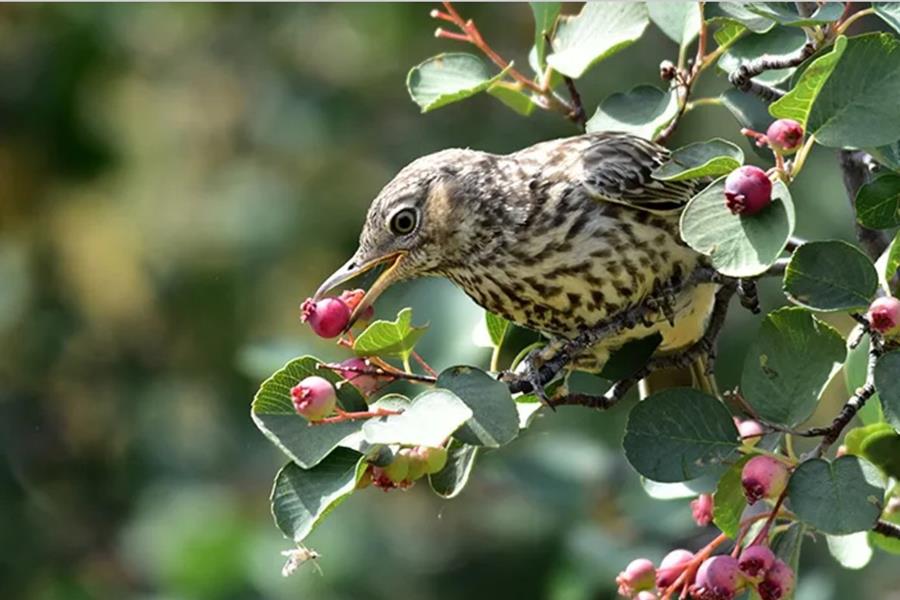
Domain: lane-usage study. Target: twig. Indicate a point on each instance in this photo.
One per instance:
(742, 77)
(578, 114)
(343, 416)
(887, 529)
(379, 372)
(855, 172)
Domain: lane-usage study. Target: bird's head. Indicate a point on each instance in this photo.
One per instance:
(416, 225)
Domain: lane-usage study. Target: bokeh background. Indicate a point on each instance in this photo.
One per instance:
(174, 179)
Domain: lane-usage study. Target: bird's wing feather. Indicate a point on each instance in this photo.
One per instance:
(618, 166)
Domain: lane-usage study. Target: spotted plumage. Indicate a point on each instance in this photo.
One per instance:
(557, 237)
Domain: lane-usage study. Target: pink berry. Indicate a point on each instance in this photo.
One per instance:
(639, 575)
(755, 561)
(364, 382)
(778, 583)
(702, 509)
(750, 431)
(672, 566)
(764, 477)
(785, 135)
(327, 317)
(352, 298)
(314, 398)
(748, 190)
(884, 314)
(717, 579)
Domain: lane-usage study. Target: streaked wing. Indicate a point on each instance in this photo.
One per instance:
(617, 168)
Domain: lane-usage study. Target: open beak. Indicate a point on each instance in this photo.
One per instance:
(351, 270)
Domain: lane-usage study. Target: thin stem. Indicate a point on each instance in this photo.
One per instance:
(764, 532)
(378, 372)
(418, 358)
(842, 27)
(798, 163)
(343, 416)
(712, 101)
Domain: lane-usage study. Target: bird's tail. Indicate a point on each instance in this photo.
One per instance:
(696, 374)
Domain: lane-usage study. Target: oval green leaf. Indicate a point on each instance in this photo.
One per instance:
(798, 102)
(778, 386)
(644, 111)
(878, 202)
(302, 497)
(786, 13)
(680, 21)
(600, 30)
(830, 276)
(738, 245)
(679, 434)
(431, 418)
(887, 382)
(839, 497)
(856, 105)
(390, 338)
(495, 421)
(729, 501)
(701, 159)
(448, 78)
(273, 412)
(777, 43)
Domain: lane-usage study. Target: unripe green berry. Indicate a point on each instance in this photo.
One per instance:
(398, 470)
(435, 459)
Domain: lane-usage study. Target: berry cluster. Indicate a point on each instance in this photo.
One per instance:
(748, 189)
(406, 465)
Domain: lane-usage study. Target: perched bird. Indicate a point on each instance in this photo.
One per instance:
(558, 237)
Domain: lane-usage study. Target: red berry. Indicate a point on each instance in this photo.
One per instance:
(755, 561)
(750, 431)
(672, 566)
(639, 575)
(748, 190)
(779, 582)
(364, 382)
(785, 135)
(764, 477)
(884, 314)
(327, 317)
(314, 398)
(702, 509)
(717, 579)
(352, 298)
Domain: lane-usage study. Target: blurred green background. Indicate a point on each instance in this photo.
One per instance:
(174, 179)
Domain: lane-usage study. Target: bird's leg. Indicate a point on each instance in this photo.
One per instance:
(531, 375)
(749, 295)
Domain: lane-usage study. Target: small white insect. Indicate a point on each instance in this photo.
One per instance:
(296, 557)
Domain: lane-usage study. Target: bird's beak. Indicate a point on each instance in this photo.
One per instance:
(353, 269)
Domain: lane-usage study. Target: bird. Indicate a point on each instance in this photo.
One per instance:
(558, 237)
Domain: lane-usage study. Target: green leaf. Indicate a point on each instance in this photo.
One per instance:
(450, 481)
(643, 111)
(837, 497)
(786, 13)
(545, 14)
(738, 12)
(878, 202)
(887, 155)
(390, 338)
(855, 370)
(729, 32)
(495, 421)
(852, 551)
(889, 263)
(738, 245)
(751, 112)
(854, 107)
(680, 21)
(448, 78)
(431, 418)
(513, 97)
(778, 43)
(830, 276)
(600, 30)
(497, 327)
(729, 501)
(302, 497)
(882, 449)
(855, 438)
(887, 382)
(679, 434)
(701, 159)
(798, 103)
(778, 386)
(273, 412)
(889, 12)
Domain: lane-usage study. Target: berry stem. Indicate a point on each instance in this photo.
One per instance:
(379, 372)
(343, 416)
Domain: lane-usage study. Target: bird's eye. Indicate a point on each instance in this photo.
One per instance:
(403, 221)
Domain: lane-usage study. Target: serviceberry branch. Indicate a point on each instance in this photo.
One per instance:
(887, 529)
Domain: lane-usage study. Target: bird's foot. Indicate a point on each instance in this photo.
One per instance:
(749, 295)
(533, 373)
